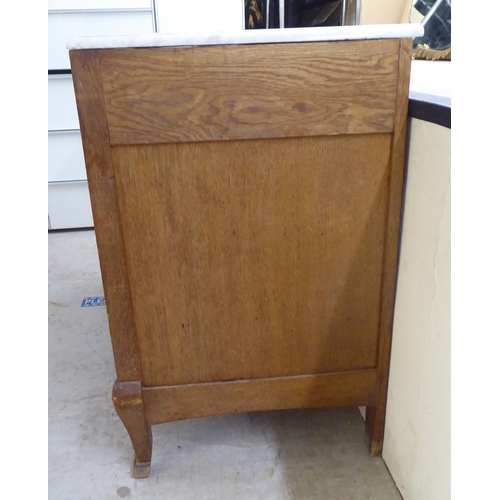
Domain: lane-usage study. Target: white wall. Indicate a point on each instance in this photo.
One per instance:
(195, 16)
(417, 434)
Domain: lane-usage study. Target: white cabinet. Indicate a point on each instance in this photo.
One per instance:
(73, 5)
(69, 200)
(62, 112)
(66, 161)
(69, 205)
(64, 26)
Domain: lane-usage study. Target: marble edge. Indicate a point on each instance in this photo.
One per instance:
(246, 37)
(430, 98)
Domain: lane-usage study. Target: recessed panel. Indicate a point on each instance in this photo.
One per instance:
(251, 259)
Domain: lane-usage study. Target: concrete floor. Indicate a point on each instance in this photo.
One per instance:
(298, 454)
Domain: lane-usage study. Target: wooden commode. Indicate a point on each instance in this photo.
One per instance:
(246, 196)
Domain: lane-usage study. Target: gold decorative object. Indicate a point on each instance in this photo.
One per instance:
(424, 52)
(413, 15)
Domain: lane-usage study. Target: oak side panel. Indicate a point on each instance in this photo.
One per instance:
(101, 181)
(165, 404)
(376, 414)
(251, 259)
(165, 95)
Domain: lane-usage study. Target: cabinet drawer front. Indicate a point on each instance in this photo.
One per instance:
(66, 160)
(69, 205)
(62, 104)
(67, 25)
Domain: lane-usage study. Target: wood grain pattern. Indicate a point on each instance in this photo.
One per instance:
(165, 404)
(247, 92)
(252, 259)
(101, 181)
(375, 415)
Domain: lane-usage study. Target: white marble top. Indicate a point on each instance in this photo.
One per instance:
(430, 81)
(245, 37)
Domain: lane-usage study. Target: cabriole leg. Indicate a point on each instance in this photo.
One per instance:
(129, 405)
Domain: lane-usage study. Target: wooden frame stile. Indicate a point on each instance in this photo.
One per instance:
(356, 133)
(375, 415)
(127, 389)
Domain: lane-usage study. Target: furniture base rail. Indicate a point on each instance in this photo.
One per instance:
(140, 407)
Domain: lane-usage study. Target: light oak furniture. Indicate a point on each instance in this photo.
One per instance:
(246, 192)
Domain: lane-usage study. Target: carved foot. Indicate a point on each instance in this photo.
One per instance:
(129, 405)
